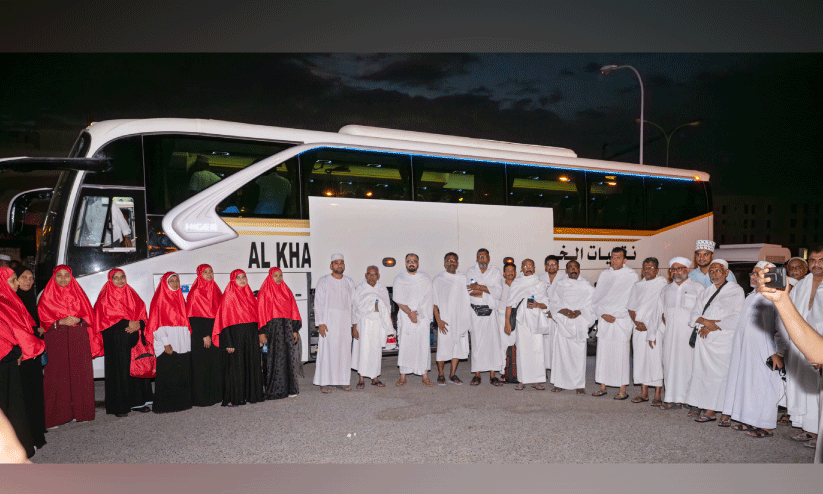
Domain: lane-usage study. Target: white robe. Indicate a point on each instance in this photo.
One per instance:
(753, 390)
(678, 357)
(506, 340)
(549, 338)
(452, 300)
(570, 335)
(414, 291)
(485, 330)
(531, 366)
(803, 381)
(333, 307)
(612, 365)
(712, 354)
(372, 327)
(644, 301)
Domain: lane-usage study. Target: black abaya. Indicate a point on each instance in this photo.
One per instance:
(123, 392)
(242, 369)
(206, 365)
(11, 399)
(282, 361)
(172, 385)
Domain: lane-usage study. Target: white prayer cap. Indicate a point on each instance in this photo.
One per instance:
(721, 262)
(797, 259)
(680, 260)
(337, 257)
(761, 264)
(4, 257)
(705, 244)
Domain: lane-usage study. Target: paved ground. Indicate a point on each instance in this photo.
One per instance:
(417, 424)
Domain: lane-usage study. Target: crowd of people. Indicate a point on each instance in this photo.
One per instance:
(692, 336)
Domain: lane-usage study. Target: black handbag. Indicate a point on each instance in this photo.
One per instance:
(482, 310)
(693, 337)
(513, 315)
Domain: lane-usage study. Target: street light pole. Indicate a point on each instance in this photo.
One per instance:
(668, 135)
(608, 69)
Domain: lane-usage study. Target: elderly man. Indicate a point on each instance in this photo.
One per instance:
(796, 269)
(333, 314)
(571, 310)
(485, 291)
(753, 389)
(614, 326)
(715, 317)
(678, 299)
(803, 378)
(413, 294)
(527, 295)
(372, 324)
(507, 341)
(703, 255)
(551, 264)
(646, 310)
(451, 311)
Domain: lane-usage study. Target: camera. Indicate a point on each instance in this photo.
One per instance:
(776, 278)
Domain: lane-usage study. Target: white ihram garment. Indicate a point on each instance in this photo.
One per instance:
(549, 338)
(333, 307)
(485, 330)
(506, 340)
(612, 366)
(678, 357)
(644, 301)
(569, 343)
(531, 366)
(372, 327)
(451, 297)
(414, 291)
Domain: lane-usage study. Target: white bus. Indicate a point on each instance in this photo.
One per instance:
(181, 192)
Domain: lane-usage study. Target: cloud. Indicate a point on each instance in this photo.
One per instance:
(422, 69)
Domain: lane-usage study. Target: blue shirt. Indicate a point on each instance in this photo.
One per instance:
(704, 279)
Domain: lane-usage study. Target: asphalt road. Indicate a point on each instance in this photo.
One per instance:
(417, 424)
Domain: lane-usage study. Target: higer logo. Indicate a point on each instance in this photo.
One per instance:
(200, 227)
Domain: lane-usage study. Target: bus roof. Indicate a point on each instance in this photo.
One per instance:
(390, 140)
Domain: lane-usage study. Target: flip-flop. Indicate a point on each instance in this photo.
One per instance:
(803, 436)
(656, 403)
(670, 406)
(811, 444)
(621, 396)
(743, 428)
(600, 392)
(759, 433)
(400, 382)
(539, 387)
(556, 389)
(344, 388)
(325, 391)
(705, 418)
(639, 399)
(495, 382)
(520, 387)
(581, 391)
(724, 422)
(360, 385)
(378, 384)
(428, 382)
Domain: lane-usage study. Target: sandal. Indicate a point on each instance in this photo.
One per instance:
(639, 399)
(495, 382)
(811, 444)
(600, 392)
(360, 385)
(323, 390)
(428, 382)
(667, 405)
(803, 436)
(621, 396)
(520, 387)
(705, 418)
(345, 388)
(441, 380)
(581, 391)
(743, 428)
(400, 382)
(694, 412)
(539, 387)
(557, 390)
(455, 380)
(784, 420)
(378, 384)
(476, 381)
(656, 403)
(759, 433)
(724, 422)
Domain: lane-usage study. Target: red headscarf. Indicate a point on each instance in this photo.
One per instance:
(237, 307)
(204, 296)
(114, 304)
(168, 308)
(15, 322)
(58, 302)
(275, 301)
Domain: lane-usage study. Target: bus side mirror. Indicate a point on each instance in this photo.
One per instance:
(19, 205)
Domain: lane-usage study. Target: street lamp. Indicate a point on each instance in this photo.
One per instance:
(608, 69)
(668, 135)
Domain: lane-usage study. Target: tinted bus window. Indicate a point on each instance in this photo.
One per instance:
(356, 174)
(456, 180)
(615, 201)
(274, 194)
(543, 187)
(180, 166)
(126, 156)
(672, 201)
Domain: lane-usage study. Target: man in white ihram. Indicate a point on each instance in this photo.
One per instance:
(528, 294)
(678, 300)
(571, 310)
(716, 320)
(451, 312)
(372, 324)
(333, 314)
(486, 287)
(508, 349)
(803, 378)
(413, 294)
(645, 309)
(753, 389)
(614, 326)
(552, 275)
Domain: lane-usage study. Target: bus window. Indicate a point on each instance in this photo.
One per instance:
(671, 201)
(356, 174)
(455, 180)
(180, 166)
(126, 157)
(615, 201)
(562, 190)
(275, 194)
(105, 222)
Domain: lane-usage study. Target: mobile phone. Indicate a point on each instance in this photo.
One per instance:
(776, 278)
(770, 365)
(530, 300)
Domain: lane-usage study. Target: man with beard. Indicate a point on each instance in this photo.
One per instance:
(451, 311)
(507, 341)
(645, 310)
(333, 299)
(571, 310)
(550, 277)
(703, 255)
(372, 324)
(753, 390)
(678, 298)
(614, 326)
(716, 321)
(484, 292)
(528, 294)
(413, 294)
(803, 378)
